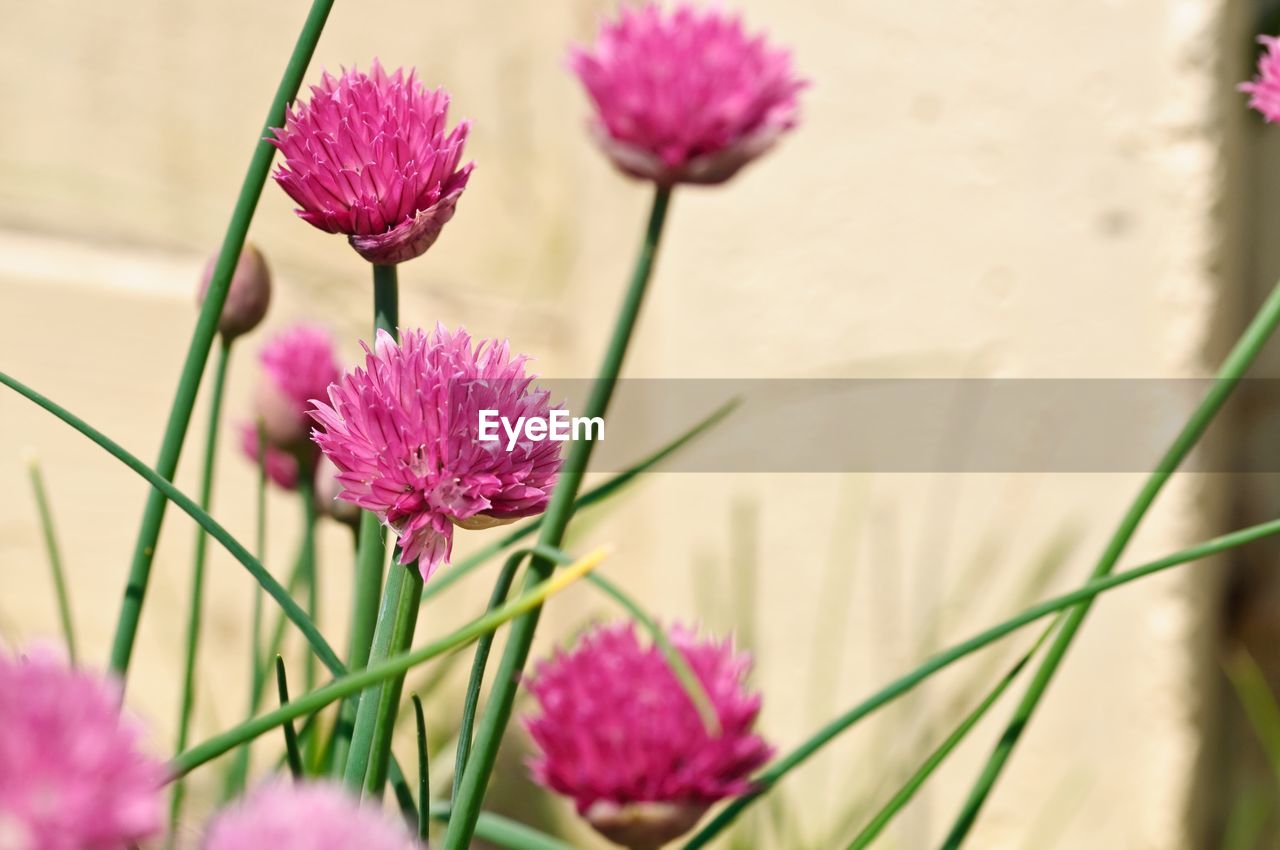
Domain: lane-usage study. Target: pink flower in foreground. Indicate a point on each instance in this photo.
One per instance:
(1264, 88)
(72, 776)
(619, 735)
(298, 365)
(404, 433)
(685, 96)
(368, 156)
(314, 816)
(282, 466)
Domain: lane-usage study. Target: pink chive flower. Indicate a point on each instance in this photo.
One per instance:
(619, 735)
(312, 816)
(298, 365)
(281, 466)
(368, 156)
(685, 96)
(1264, 88)
(404, 434)
(72, 775)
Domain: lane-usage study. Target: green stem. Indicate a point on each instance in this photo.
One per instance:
(599, 493)
(400, 616)
(196, 611)
(376, 673)
(365, 762)
(306, 491)
(292, 754)
(497, 711)
(503, 832)
(501, 588)
(424, 770)
(264, 578)
(202, 339)
(238, 774)
(368, 589)
(1232, 370)
(235, 779)
(386, 300)
(370, 553)
(55, 559)
(904, 795)
(260, 550)
(781, 767)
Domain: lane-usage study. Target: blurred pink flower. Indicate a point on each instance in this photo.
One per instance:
(403, 431)
(311, 816)
(282, 466)
(249, 294)
(1264, 88)
(368, 156)
(329, 493)
(72, 776)
(620, 736)
(685, 96)
(298, 364)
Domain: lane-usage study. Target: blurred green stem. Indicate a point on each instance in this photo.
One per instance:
(376, 673)
(904, 795)
(55, 559)
(202, 340)
(775, 772)
(195, 613)
(238, 774)
(497, 712)
(1246, 350)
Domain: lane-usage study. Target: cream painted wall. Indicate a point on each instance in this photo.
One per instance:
(978, 189)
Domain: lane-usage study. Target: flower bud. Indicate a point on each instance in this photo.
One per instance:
(328, 488)
(248, 297)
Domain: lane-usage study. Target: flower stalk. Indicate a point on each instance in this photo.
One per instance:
(376, 673)
(195, 613)
(371, 552)
(202, 340)
(497, 713)
(55, 558)
(365, 763)
(1242, 355)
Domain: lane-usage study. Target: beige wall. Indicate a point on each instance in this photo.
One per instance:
(979, 189)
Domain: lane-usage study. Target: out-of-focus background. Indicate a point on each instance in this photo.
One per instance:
(978, 189)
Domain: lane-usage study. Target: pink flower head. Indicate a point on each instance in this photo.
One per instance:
(311, 816)
(1264, 88)
(281, 466)
(685, 96)
(620, 736)
(404, 434)
(298, 365)
(72, 776)
(368, 156)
